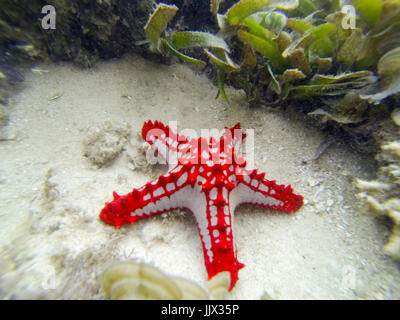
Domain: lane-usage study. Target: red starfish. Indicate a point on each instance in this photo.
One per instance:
(209, 181)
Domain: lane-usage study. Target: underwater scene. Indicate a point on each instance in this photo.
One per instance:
(258, 141)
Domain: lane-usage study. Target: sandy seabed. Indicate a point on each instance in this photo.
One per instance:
(53, 245)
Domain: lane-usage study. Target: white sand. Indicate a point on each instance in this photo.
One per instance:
(51, 236)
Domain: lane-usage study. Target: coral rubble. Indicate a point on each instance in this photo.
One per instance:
(104, 143)
(382, 195)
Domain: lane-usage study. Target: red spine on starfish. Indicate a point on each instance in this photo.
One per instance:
(209, 180)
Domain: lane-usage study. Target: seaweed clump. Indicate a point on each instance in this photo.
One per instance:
(341, 65)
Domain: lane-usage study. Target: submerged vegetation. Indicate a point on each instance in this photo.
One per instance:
(335, 64)
(297, 49)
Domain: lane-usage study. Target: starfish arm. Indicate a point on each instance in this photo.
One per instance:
(214, 222)
(158, 196)
(167, 143)
(254, 189)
